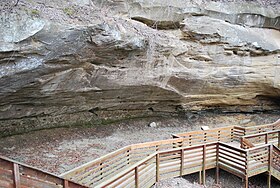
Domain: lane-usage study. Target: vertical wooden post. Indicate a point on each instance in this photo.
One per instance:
(200, 177)
(246, 182)
(266, 138)
(16, 175)
(269, 180)
(65, 184)
(136, 177)
(157, 168)
(269, 165)
(278, 139)
(241, 142)
(182, 163)
(204, 163)
(217, 164)
(270, 157)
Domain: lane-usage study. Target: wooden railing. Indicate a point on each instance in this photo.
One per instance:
(17, 175)
(141, 165)
(258, 159)
(181, 161)
(99, 170)
(166, 164)
(262, 128)
(224, 134)
(276, 158)
(261, 138)
(103, 169)
(232, 159)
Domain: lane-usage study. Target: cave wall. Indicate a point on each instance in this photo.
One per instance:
(68, 63)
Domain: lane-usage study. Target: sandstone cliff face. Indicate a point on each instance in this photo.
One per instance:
(65, 62)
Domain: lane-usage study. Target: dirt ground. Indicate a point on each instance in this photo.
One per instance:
(59, 150)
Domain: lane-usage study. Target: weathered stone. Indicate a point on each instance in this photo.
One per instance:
(74, 68)
(153, 125)
(245, 121)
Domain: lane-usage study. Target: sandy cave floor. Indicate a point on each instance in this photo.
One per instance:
(61, 149)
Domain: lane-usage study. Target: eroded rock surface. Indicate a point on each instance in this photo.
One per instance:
(65, 62)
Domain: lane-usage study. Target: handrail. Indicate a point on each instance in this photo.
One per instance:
(108, 182)
(258, 147)
(136, 153)
(134, 166)
(245, 143)
(106, 167)
(240, 167)
(23, 175)
(98, 160)
(261, 134)
(232, 147)
(101, 168)
(257, 136)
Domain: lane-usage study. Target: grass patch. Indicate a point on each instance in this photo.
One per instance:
(68, 11)
(35, 12)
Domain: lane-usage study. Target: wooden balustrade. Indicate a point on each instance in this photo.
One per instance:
(276, 158)
(103, 169)
(17, 175)
(261, 138)
(141, 165)
(97, 171)
(223, 134)
(232, 159)
(180, 161)
(258, 159)
(262, 128)
(166, 164)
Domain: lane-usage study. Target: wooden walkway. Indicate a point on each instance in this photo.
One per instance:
(242, 151)
(142, 165)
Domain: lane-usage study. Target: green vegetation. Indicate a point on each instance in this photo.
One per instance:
(35, 12)
(68, 11)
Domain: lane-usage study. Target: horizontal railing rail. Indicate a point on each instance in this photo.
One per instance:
(102, 170)
(261, 138)
(262, 128)
(18, 175)
(258, 159)
(166, 164)
(232, 159)
(97, 171)
(225, 134)
(161, 165)
(276, 158)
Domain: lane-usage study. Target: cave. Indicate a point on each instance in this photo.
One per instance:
(132, 93)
